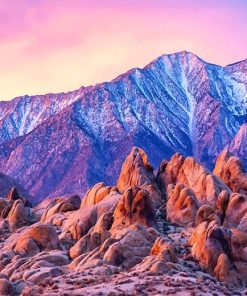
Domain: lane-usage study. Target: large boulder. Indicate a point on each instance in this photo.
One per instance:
(36, 239)
(50, 206)
(13, 194)
(206, 213)
(55, 207)
(95, 194)
(161, 255)
(95, 238)
(168, 172)
(221, 251)
(208, 241)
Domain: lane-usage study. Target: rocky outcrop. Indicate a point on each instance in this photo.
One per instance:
(134, 207)
(18, 215)
(230, 169)
(182, 205)
(95, 194)
(137, 171)
(59, 205)
(36, 239)
(205, 185)
(236, 212)
(63, 244)
(13, 194)
(132, 246)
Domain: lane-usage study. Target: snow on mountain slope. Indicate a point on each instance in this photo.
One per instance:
(59, 144)
(21, 115)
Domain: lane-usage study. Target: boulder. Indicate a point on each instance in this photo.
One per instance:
(163, 250)
(79, 222)
(222, 268)
(209, 241)
(208, 214)
(133, 244)
(36, 239)
(55, 207)
(95, 194)
(65, 203)
(168, 173)
(3, 204)
(88, 243)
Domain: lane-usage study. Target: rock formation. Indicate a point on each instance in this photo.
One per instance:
(230, 169)
(182, 231)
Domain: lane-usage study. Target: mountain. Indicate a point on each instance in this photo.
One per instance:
(7, 184)
(64, 143)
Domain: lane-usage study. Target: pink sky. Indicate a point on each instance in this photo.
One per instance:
(60, 45)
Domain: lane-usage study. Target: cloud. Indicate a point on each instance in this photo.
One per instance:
(63, 44)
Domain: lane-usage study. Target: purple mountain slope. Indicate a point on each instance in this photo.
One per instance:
(64, 143)
(7, 184)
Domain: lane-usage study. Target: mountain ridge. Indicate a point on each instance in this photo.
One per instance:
(140, 68)
(178, 102)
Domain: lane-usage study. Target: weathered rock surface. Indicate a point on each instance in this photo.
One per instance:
(137, 171)
(181, 232)
(18, 215)
(134, 207)
(6, 288)
(95, 194)
(182, 205)
(230, 169)
(205, 185)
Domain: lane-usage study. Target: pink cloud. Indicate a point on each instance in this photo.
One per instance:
(42, 41)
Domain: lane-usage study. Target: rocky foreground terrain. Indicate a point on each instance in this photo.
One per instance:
(181, 230)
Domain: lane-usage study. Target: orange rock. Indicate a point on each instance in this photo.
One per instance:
(3, 204)
(191, 174)
(137, 171)
(134, 208)
(182, 205)
(230, 169)
(37, 238)
(206, 213)
(222, 267)
(208, 242)
(163, 250)
(168, 173)
(236, 211)
(95, 194)
(13, 194)
(18, 215)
